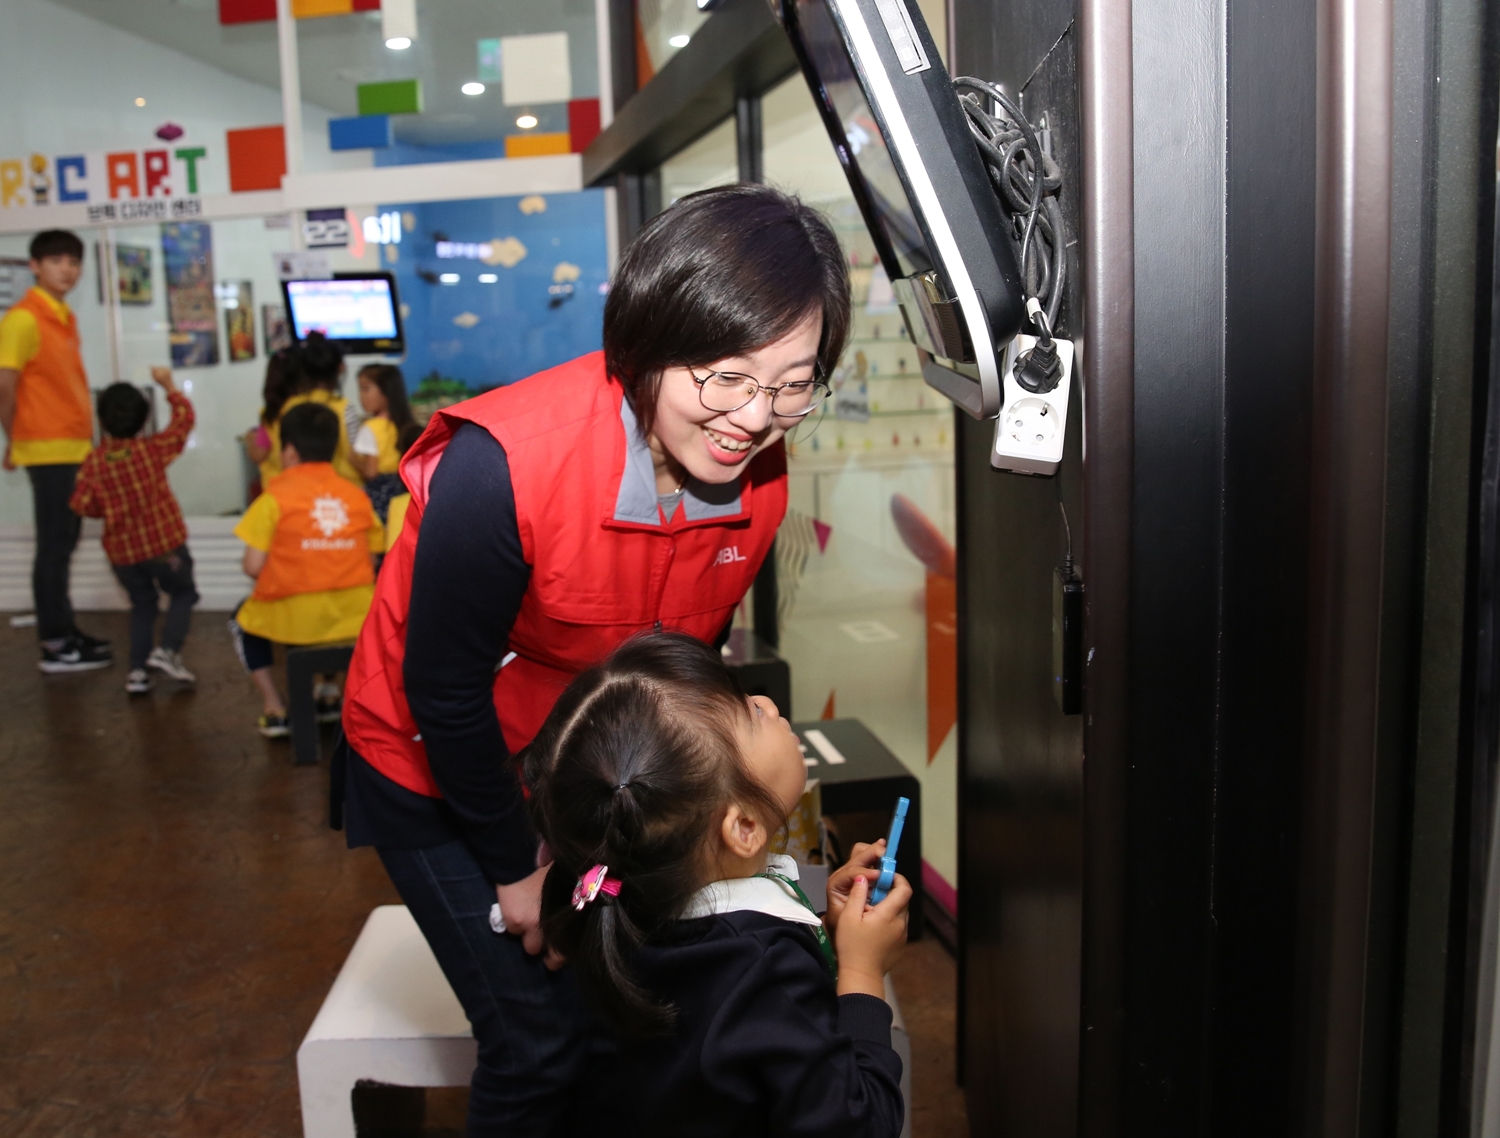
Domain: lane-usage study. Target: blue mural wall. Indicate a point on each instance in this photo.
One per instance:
(519, 286)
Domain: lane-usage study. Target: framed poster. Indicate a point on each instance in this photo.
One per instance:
(187, 253)
(235, 298)
(15, 279)
(275, 327)
(133, 263)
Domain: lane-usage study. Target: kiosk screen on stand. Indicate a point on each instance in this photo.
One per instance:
(361, 310)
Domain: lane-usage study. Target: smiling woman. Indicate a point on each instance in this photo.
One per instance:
(551, 520)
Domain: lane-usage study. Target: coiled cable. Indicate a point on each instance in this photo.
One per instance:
(1028, 182)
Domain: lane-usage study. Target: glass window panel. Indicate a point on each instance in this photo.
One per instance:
(867, 620)
(665, 28)
(491, 290)
(711, 161)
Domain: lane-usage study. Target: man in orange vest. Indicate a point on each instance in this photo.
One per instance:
(48, 421)
(311, 541)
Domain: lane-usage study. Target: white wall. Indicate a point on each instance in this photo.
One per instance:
(69, 84)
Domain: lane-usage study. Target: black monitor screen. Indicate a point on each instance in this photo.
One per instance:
(359, 309)
(863, 153)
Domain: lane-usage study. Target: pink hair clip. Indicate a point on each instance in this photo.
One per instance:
(593, 883)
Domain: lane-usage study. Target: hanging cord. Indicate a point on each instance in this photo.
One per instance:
(1028, 182)
(1067, 565)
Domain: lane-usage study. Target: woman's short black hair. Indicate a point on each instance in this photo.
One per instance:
(720, 273)
(122, 410)
(55, 243)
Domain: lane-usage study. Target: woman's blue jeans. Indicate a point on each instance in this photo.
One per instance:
(532, 1031)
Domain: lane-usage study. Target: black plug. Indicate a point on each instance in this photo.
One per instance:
(1038, 369)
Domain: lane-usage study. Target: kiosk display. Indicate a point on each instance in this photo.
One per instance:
(905, 146)
(358, 310)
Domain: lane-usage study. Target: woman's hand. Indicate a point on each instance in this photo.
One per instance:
(862, 857)
(871, 937)
(521, 907)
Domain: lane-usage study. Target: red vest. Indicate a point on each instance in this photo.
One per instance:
(322, 540)
(603, 566)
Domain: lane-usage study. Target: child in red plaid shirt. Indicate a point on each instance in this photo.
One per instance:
(124, 481)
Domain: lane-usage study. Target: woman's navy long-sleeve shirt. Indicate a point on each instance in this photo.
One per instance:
(468, 579)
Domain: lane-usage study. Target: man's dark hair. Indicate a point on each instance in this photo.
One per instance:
(56, 242)
(313, 429)
(122, 410)
(717, 274)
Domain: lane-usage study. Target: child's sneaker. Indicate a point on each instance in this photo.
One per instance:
(170, 664)
(138, 682)
(329, 701)
(275, 726)
(73, 655)
(96, 644)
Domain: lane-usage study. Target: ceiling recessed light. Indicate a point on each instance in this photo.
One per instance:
(680, 41)
(140, 102)
(449, 278)
(472, 88)
(526, 121)
(488, 278)
(398, 43)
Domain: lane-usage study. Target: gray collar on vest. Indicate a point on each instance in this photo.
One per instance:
(637, 501)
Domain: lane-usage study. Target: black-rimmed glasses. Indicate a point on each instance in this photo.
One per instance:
(726, 391)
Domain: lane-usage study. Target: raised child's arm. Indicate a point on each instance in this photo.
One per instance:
(169, 442)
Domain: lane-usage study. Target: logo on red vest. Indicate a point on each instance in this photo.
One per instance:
(728, 554)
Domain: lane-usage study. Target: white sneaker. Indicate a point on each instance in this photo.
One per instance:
(138, 682)
(170, 664)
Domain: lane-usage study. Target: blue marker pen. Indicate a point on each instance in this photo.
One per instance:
(888, 862)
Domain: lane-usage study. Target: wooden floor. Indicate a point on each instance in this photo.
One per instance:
(173, 909)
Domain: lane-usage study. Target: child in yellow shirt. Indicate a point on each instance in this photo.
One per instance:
(311, 538)
(385, 435)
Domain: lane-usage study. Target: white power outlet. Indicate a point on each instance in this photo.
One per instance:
(1029, 432)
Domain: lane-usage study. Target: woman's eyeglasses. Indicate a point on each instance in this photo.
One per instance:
(726, 391)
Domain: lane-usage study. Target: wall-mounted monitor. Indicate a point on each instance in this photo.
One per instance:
(905, 146)
(360, 311)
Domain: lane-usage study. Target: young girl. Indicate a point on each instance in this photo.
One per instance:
(281, 370)
(378, 444)
(317, 376)
(658, 785)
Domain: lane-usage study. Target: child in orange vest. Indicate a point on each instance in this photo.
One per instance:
(311, 539)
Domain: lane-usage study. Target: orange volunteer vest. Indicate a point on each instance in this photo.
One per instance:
(52, 395)
(322, 540)
(603, 566)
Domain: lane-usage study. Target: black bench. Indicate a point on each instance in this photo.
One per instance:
(303, 665)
